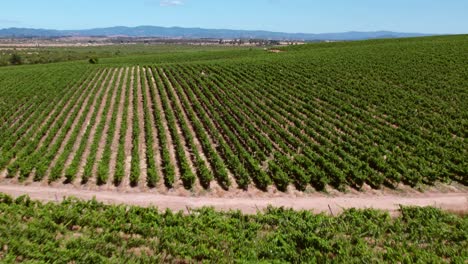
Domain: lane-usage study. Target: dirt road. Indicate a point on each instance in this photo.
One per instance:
(319, 203)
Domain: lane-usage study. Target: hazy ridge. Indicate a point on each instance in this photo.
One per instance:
(179, 32)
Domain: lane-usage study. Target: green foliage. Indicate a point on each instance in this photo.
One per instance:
(368, 113)
(94, 232)
(93, 60)
(121, 54)
(16, 59)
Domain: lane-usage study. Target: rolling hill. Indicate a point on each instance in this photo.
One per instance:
(179, 32)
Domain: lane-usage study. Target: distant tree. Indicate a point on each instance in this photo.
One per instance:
(16, 59)
(93, 60)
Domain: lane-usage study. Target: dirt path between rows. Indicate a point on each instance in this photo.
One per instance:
(211, 135)
(94, 125)
(154, 133)
(142, 135)
(19, 114)
(107, 123)
(454, 201)
(128, 134)
(177, 108)
(74, 125)
(169, 143)
(85, 125)
(118, 127)
(178, 129)
(150, 86)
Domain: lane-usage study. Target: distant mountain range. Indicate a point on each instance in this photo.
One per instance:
(197, 33)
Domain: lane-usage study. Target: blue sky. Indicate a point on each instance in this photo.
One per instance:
(308, 16)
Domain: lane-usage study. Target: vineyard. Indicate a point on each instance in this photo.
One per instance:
(90, 232)
(375, 113)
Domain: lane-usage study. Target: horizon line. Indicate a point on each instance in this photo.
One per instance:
(227, 29)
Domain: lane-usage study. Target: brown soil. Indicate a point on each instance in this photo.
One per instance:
(44, 122)
(128, 135)
(196, 141)
(69, 133)
(41, 142)
(382, 120)
(118, 124)
(170, 145)
(318, 202)
(286, 119)
(215, 124)
(214, 186)
(103, 139)
(86, 122)
(248, 116)
(188, 156)
(141, 135)
(55, 138)
(17, 115)
(154, 133)
(3, 172)
(94, 128)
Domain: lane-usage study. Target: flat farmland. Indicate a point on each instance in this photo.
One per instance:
(330, 152)
(329, 117)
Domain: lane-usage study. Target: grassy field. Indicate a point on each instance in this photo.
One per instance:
(374, 113)
(45, 55)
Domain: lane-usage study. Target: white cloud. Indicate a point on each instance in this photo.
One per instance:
(171, 3)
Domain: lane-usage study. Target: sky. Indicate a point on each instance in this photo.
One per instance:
(305, 16)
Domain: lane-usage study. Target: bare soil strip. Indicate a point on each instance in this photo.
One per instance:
(51, 113)
(16, 116)
(187, 154)
(72, 128)
(284, 119)
(252, 117)
(318, 203)
(68, 114)
(28, 104)
(128, 136)
(157, 148)
(24, 107)
(118, 124)
(170, 145)
(154, 132)
(102, 141)
(41, 125)
(86, 122)
(94, 128)
(141, 136)
(82, 88)
(189, 124)
(214, 184)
